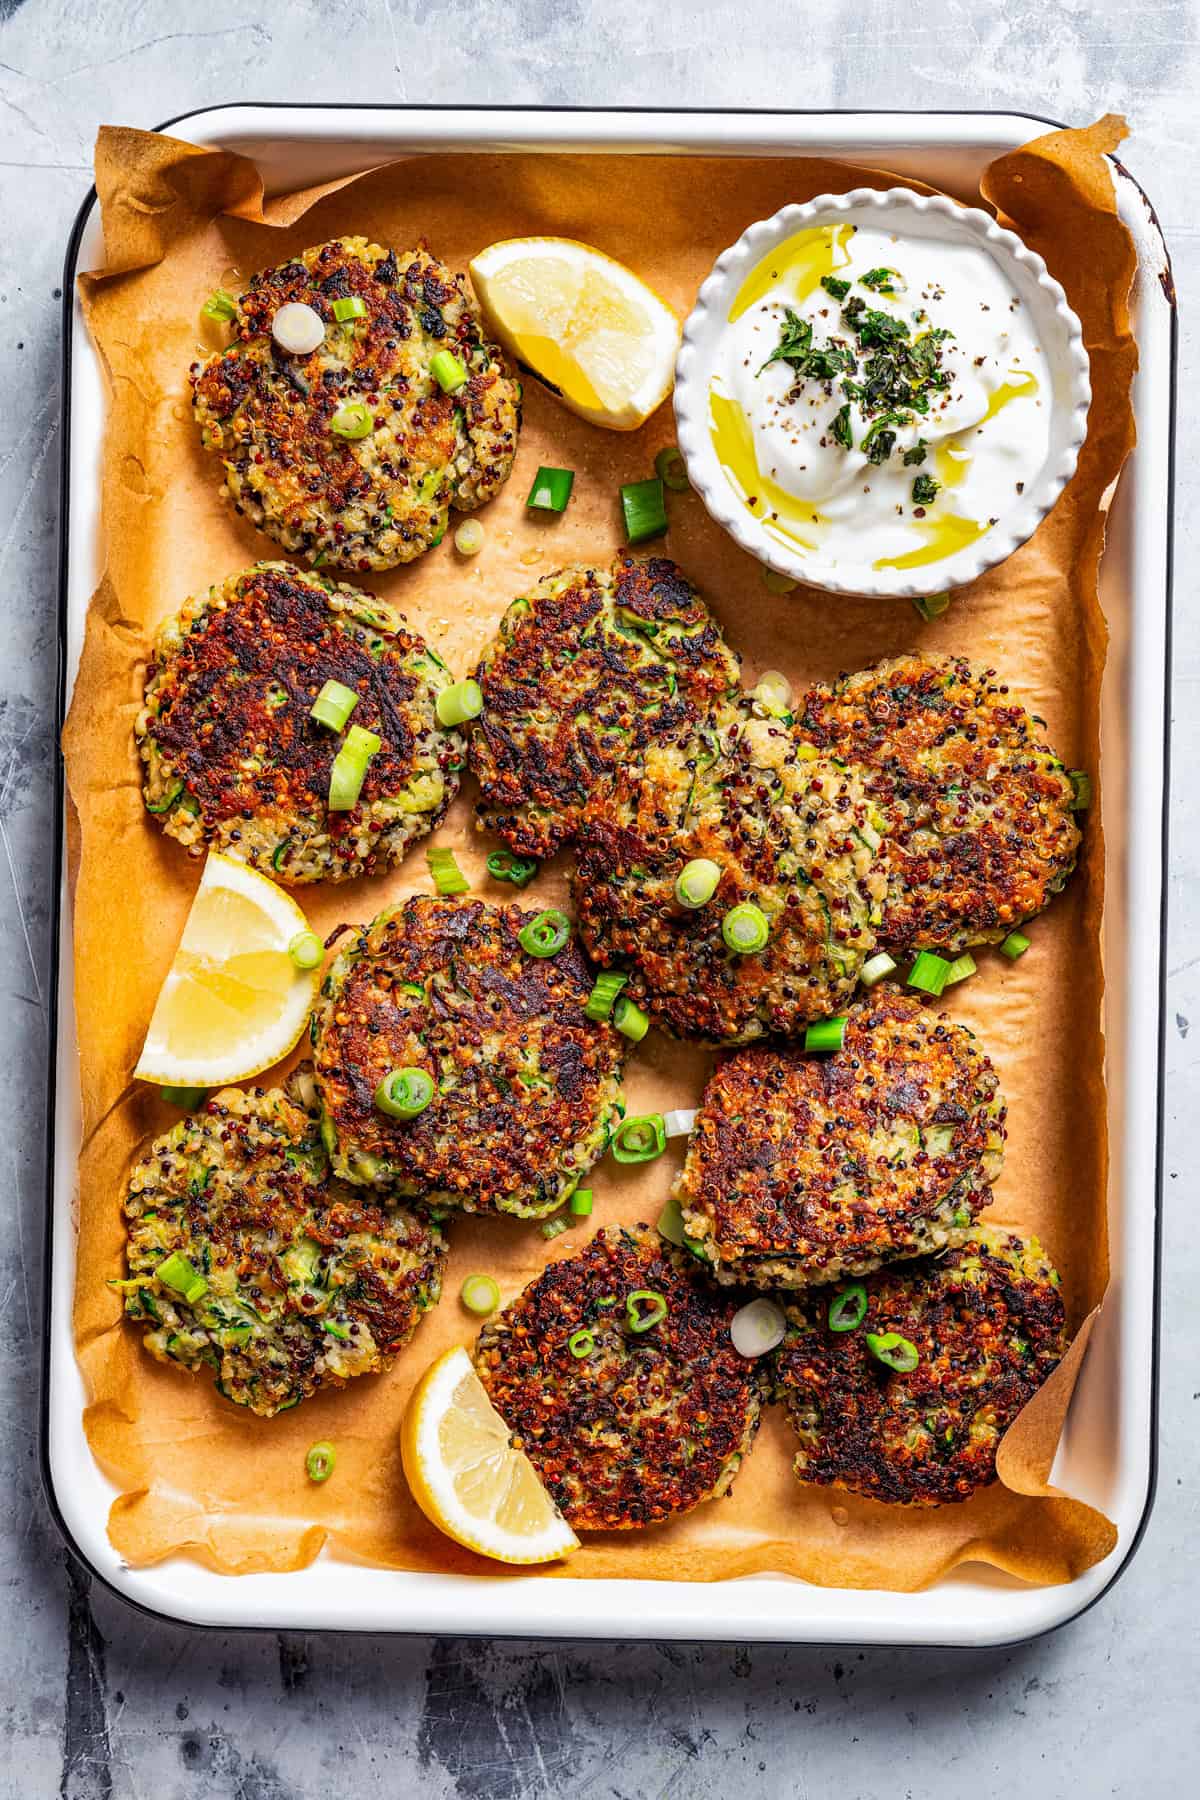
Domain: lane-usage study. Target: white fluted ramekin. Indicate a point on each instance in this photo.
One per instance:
(914, 215)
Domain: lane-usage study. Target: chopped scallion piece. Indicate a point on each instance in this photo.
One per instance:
(745, 929)
(468, 539)
(349, 769)
(1014, 945)
(630, 1020)
(670, 1223)
(773, 691)
(929, 973)
(449, 371)
(546, 934)
(174, 790)
(931, 606)
(825, 1034)
(644, 508)
(404, 1093)
(320, 1462)
(219, 305)
(448, 878)
(655, 1305)
(876, 967)
(848, 1308)
(299, 329)
(551, 490)
(351, 420)
(679, 1121)
(671, 469)
(582, 1342)
(350, 307)
(461, 701)
(188, 1098)
(639, 1139)
(603, 996)
(554, 1228)
(502, 865)
(333, 705)
(697, 882)
(480, 1295)
(306, 950)
(960, 969)
(757, 1327)
(894, 1351)
(178, 1274)
(580, 1203)
(1081, 789)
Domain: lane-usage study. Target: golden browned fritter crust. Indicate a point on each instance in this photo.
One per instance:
(527, 1087)
(586, 669)
(791, 833)
(642, 1426)
(988, 1325)
(305, 1281)
(979, 831)
(805, 1168)
(382, 499)
(236, 762)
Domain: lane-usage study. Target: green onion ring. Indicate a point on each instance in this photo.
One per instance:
(582, 1342)
(320, 1462)
(848, 1308)
(894, 1351)
(502, 865)
(697, 881)
(546, 934)
(745, 929)
(480, 1294)
(640, 1139)
(404, 1093)
(639, 1321)
(671, 469)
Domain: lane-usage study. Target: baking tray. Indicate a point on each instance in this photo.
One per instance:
(1108, 1450)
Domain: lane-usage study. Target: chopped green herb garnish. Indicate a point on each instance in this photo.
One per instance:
(839, 428)
(883, 281)
(916, 456)
(831, 284)
(925, 490)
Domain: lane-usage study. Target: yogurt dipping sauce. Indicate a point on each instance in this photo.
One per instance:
(892, 441)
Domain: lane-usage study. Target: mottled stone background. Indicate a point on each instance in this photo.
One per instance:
(95, 1700)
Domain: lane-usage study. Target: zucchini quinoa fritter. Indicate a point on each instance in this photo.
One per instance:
(803, 1169)
(977, 809)
(373, 487)
(792, 833)
(234, 759)
(297, 1281)
(586, 669)
(526, 1086)
(627, 1423)
(986, 1321)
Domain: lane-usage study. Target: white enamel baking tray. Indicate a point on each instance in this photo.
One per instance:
(1108, 1450)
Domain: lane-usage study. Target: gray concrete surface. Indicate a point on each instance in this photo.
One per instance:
(98, 1702)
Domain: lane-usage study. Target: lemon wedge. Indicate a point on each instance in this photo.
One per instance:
(584, 323)
(467, 1478)
(233, 1001)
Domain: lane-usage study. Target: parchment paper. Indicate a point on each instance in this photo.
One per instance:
(204, 1478)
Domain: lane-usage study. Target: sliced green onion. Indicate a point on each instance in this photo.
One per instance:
(448, 878)
(178, 1274)
(352, 420)
(670, 1223)
(468, 539)
(349, 769)
(825, 1034)
(333, 1328)
(404, 1093)
(352, 307)
(848, 1308)
(1081, 789)
(306, 950)
(554, 1228)
(745, 928)
(644, 507)
(188, 1098)
(697, 881)
(461, 701)
(320, 1462)
(962, 967)
(603, 996)
(931, 606)
(757, 1327)
(582, 1342)
(680, 1121)
(480, 1295)
(876, 968)
(449, 371)
(219, 305)
(890, 1348)
(502, 865)
(640, 1139)
(551, 490)
(773, 691)
(1014, 945)
(546, 934)
(630, 1020)
(168, 800)
(671, 469)
(777, 583)
(655, 1305)
(929, 973)
(299, 329)
(580, 1203)
(333, 705)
